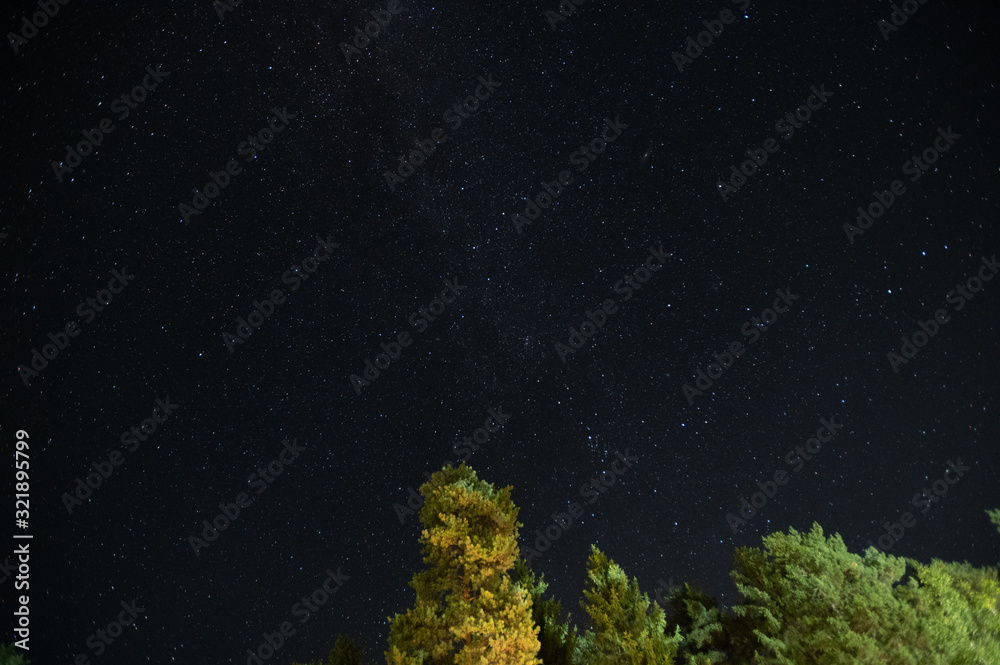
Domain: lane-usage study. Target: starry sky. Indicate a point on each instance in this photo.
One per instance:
(349, 119)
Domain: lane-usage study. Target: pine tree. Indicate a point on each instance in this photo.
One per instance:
(958, 607)
(696, 617)
(346, 651)
(624, 630)
(994, 517)
(557, 638)
(809, 600)
(468, 611)
(9, 655)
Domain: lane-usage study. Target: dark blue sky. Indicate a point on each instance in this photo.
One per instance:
(392, 250)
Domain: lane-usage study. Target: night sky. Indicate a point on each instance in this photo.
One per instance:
(172, 334)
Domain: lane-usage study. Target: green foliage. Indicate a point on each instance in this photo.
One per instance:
(994, 517)
(557, 638)
(623, 629)
(958, 607)
(11, 655)
(696, 618)
(467, 612)
(346, 651)
(809, 600)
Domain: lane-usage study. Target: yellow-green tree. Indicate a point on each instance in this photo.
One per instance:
(624, 630)
(958, 607)
(467, 611)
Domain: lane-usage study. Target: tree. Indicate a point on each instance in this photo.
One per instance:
(467, 612)
(557, 638)
(346, 651)
(9, 655)
(958, 607)
(809, 600)
(696, 617)
(623, 630)
(994, 517)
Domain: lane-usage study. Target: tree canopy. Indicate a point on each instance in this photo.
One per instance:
(806, 600)
(468, 611)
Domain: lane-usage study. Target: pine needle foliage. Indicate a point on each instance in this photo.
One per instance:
(467, 611)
